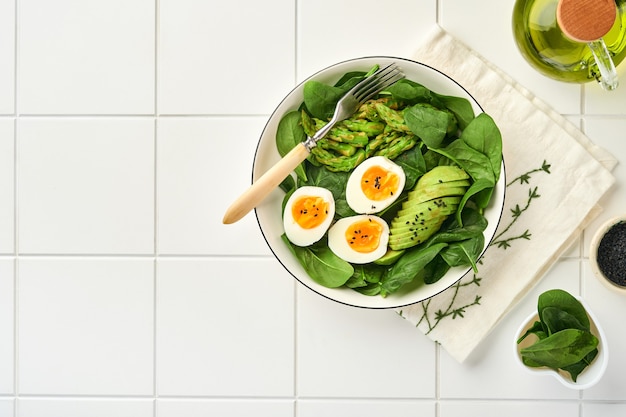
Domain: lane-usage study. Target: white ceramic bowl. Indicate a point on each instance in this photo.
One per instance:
(269, 212)
(590, 376)
(593, 253)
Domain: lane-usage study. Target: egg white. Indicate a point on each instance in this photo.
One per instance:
(355, 197)
(298, 235)
(339, 245)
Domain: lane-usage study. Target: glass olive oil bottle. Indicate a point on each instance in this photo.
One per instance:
(545, 47)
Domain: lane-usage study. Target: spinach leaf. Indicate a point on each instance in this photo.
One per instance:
(536, 329)
(410, 92)
(565, 341)
(364, 275)
(335, 182)
(407, 267)
(575, 369)
(477, 188)
(556, 319)
(565, 301)
(370, 289)
(459, 106)
(475, 163)
(288, 185)
(322, 265)
(464, 252)
(479, 152)
(350, 79)
(483, 135)
(413, 164)
(434, 159)
(290, 133)
(473, 224)
(561, 349)
(435, 270)
(428, 123)
(321, 99)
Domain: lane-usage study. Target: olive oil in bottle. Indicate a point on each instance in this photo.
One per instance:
(545, 47)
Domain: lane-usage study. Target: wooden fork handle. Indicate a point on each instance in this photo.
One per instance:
(264, 185)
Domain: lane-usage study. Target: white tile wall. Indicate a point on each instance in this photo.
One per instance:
(213, 56)
(86, 326)
(6, 407)
(224, 408)
(607, 306)
(211, 344)
(366, 408)
(194, 155)
(86, 186)
(128, 127)
(98, 57)
(344, 38)
(7, 185)
(7, 56)
(608, 133)
(344, 351)
(509, 409)
(7, 328)
(45, 407)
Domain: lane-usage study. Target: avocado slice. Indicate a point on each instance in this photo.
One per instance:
(436, 196)
(441, 174)
(390, 257)
(435, 203)
(409, 239)
(429, 192)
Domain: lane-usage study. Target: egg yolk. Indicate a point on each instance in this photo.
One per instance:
(363, 236)
(309, 211)
(379, 184)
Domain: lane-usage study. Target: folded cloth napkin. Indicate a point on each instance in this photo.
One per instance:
(555, 177)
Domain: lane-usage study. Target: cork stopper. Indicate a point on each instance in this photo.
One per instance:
(586, 20)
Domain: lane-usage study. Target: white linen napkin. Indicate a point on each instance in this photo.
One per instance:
(555, 176)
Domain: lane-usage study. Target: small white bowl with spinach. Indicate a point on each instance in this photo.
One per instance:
(564, 340)
(406, 284)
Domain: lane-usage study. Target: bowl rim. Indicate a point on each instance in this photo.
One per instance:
(315, 75)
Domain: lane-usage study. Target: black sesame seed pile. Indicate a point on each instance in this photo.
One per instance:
(611, 254)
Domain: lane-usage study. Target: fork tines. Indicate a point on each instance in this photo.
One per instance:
(378, 81)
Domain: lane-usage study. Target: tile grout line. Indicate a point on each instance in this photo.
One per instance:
(155, 208)
(15, 213)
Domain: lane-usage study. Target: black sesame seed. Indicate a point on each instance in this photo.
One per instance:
(611, 254)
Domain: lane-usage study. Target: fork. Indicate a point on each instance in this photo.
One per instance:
(346, 106)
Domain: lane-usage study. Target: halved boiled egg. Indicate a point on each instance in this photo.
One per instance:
(308, 215)
(374, 185)
(359, 239)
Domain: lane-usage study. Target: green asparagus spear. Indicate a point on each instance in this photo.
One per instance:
(344, 149)
(368, 109)
(393, 118)
(398, 146)
(338, 163)
(363, 125)
(308, 124)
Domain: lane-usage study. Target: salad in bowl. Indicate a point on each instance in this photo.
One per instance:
(397, 202)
